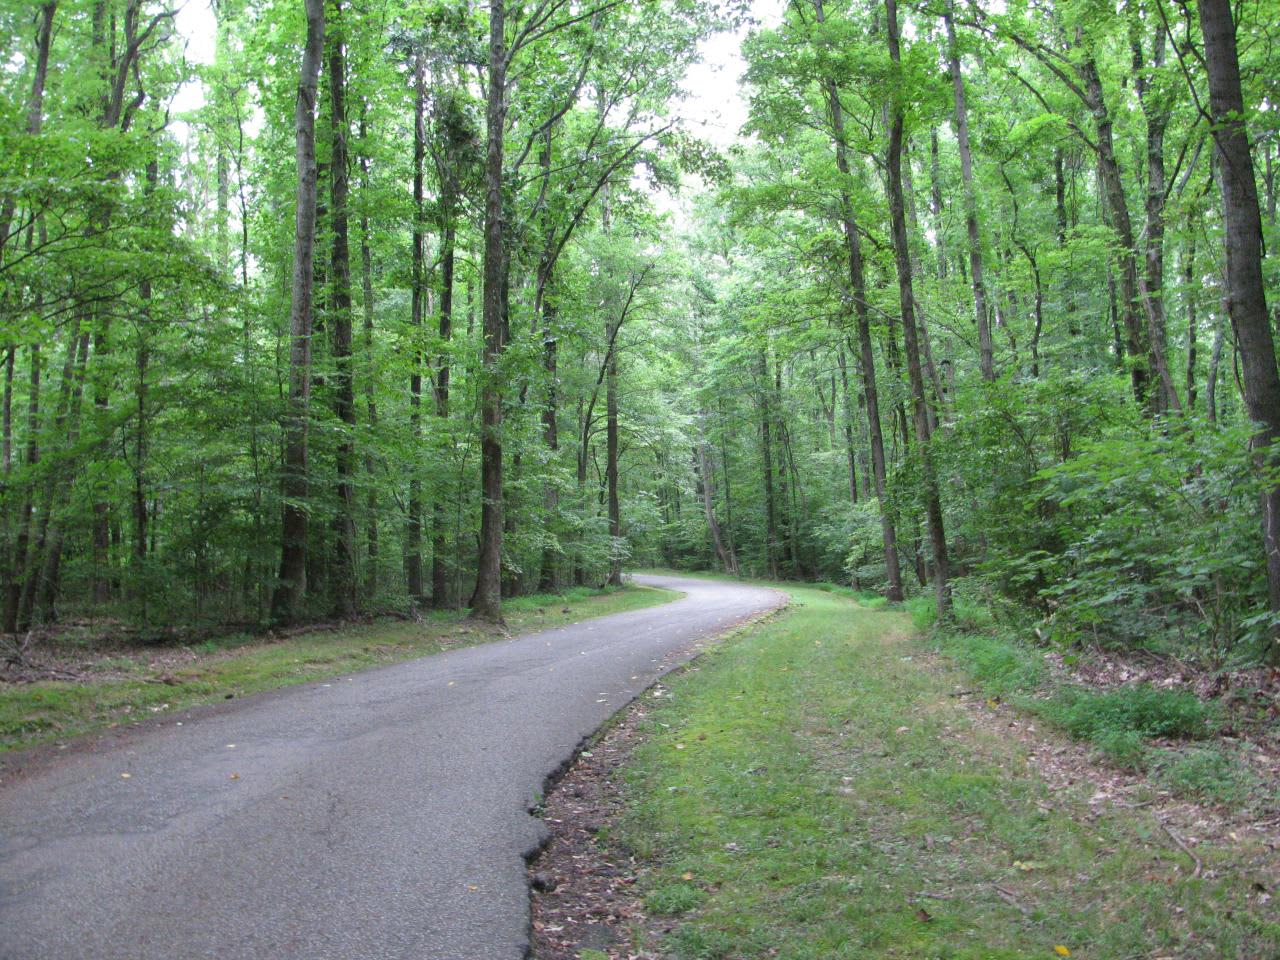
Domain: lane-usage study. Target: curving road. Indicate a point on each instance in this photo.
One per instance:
(381, 816)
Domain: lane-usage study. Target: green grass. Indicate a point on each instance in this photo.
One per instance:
(135, 688)
(809, 791)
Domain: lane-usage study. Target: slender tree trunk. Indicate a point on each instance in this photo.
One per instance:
(1152, 283)
(1188, 282)
(1246, 298)
(706, 484)
(766, 450)
(413, 522)
(937, 408)
(611, 468)
(292, 583)
(1211, 377)
(439, 542)
(985, 350)
(343, 592)
(935, 203)
(370, 399)
(858, 290)
(486, 600)
(902, 257)
(849, 417)
(1137, 340)
(13, 589)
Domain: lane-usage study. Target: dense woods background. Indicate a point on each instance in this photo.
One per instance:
(982, 305)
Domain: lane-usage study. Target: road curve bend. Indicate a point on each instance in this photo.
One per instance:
(381, 816)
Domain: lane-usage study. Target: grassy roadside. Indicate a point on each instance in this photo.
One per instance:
(813, 791)
(139, 684)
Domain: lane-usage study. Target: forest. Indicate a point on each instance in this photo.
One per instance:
(431, 304)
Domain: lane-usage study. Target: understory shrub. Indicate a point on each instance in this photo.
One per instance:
(1151, 541)
(1101, 715)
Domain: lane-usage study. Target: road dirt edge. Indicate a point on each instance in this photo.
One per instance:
(570, 875)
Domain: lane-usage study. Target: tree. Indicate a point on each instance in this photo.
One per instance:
(293, 570)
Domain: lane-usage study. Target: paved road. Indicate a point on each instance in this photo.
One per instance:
(379, 816)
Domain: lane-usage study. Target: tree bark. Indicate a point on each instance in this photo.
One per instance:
(413, 522)
(986, 358)
(1137, 341)
(292, 582)
(343, 592)
(1246, 298)
(611, 468)
(371, 404)
(486, 599)
(439, 542)
(766, 450)
(858, 291)
(906, 298)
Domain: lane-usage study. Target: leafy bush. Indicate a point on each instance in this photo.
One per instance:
(1151, 540)
(1099, 715)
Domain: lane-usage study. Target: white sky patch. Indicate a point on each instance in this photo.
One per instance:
(715, 108)
(198, 28)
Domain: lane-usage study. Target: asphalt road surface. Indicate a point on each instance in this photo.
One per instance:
(382, 815)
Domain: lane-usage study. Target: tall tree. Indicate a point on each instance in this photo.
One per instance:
(906, 299)
(1246, 293)
(289, 591)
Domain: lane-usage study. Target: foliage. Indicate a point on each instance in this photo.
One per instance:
(730, 315)
(1144, 710)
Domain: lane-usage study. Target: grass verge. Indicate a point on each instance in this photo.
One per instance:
(813, 791)
(1167, 734)
(142, 683)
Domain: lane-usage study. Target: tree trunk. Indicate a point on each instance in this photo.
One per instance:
(1188, 282)
(439, 542)
(343, 588)
(1137, 341)
(986, 358)
(486, 600)
(1152, 292)
(858, 290)
(413, 522)
(848, 426)
(706, 483)
(371, 405)
(766, 449)
(906, 298)
(1246, 299)
(611, 469)
(293, 528)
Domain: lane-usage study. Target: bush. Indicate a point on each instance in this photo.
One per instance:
(1150, 541)
(1145, 711)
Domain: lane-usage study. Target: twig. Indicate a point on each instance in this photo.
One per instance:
(1182, 846)
(1010, 898)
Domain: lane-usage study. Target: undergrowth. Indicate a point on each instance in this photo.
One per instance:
(1166, 733)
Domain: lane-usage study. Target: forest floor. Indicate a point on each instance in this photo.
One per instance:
(827, 785)
(77, 680)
